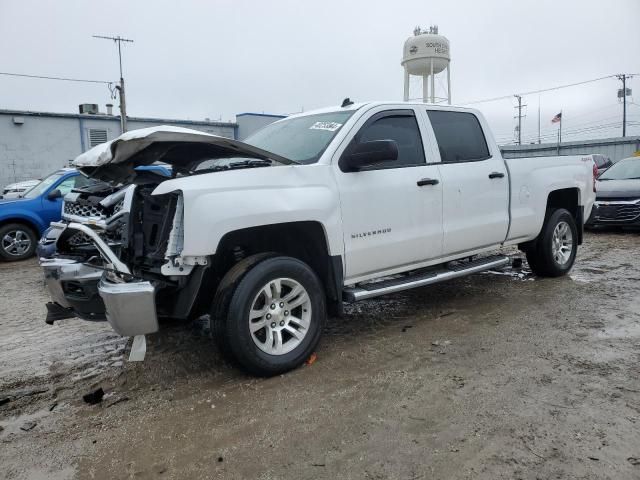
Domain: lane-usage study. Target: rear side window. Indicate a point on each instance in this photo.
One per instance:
(403, 129)
(459, 135)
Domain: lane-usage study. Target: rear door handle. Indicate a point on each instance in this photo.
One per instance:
(496, 175)
(428, 181)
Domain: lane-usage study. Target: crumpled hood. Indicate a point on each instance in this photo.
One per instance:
(617, 189)
(182, 148)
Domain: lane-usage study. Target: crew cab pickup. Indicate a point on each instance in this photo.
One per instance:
(269, 235)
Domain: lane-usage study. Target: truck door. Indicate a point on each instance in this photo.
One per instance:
(392, 210)
(475, 183)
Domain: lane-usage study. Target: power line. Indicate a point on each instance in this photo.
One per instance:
(10, 74)
(504, 97)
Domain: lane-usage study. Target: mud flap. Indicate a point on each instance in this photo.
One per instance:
(56, 312)
(138, 349)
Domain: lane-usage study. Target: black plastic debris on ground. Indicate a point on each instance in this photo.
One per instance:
(94, 398)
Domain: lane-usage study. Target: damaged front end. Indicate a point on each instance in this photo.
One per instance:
(117, 254)
(111, 248)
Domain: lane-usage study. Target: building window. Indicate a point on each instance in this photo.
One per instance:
(97, 136)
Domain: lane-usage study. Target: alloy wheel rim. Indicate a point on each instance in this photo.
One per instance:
(16, 242)
(280, 316)
(562, 243)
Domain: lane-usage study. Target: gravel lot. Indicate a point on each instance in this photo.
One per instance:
(498, 375)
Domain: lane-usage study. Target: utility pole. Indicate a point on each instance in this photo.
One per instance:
(123, 101)
(519, 117)
(539, 121)
(623, 77)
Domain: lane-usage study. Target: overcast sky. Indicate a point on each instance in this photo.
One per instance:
(196, 59)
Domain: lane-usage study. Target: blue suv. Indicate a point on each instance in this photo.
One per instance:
(24, 220)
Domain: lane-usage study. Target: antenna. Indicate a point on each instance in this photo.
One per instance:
(123, 104)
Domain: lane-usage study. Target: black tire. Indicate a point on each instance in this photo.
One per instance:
(540, 255)
(26, 236)
(231, 324)
(223, 295)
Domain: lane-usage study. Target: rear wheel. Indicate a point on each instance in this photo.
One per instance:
(274, 317)
(17, 242)
(554, 252)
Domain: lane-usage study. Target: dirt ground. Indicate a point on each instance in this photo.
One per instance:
(498, 375)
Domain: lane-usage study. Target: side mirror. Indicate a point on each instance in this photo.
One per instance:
(369, 153)
(54, 194)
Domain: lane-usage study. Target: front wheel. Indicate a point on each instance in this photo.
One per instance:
(554, 252)
(17, 242)
(275, 316)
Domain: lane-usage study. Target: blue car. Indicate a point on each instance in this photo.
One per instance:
(24, 220)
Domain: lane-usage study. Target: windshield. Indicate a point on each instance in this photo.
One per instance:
(42, 187)
(302, 139)
(623, 170)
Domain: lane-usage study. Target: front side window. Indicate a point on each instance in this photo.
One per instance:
(459, 135)
(402, 129)
(302, 139)
(42, 187)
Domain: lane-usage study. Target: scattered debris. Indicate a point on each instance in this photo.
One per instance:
(436, 343)
(159, 468)
(52, 406)
(406, 327)
(595, 459)
(95, 397)
(634, 461)
(28, 426)
(312, 359)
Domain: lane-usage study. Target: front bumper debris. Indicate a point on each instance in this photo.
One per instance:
(73, 286)
(129, 306)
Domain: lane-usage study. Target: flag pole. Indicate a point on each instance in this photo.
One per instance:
(560, 133)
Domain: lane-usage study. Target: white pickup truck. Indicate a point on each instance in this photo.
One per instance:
(270, 234)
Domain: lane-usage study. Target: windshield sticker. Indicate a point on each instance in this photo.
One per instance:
(329, 126)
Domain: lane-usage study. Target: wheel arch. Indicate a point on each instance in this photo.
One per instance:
(569, 199)
(22, 221)
(304, 240)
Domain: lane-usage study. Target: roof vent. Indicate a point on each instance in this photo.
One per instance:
(89, 108)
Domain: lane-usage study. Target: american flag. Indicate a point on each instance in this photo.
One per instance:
(557, 118)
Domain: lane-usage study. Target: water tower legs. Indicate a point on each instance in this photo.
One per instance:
(449, 83)
(433, 84)
(425, 88)
(406, 85)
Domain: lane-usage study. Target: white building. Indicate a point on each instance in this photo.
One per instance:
(33, 144)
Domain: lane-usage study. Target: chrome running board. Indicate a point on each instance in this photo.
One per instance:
(364, 291)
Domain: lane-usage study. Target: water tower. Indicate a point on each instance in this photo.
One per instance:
(426, 54)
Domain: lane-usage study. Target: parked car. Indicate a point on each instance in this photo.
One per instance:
(15, 190)
(602, 162)
(340, 204)
(24, 220)
(618, 196)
